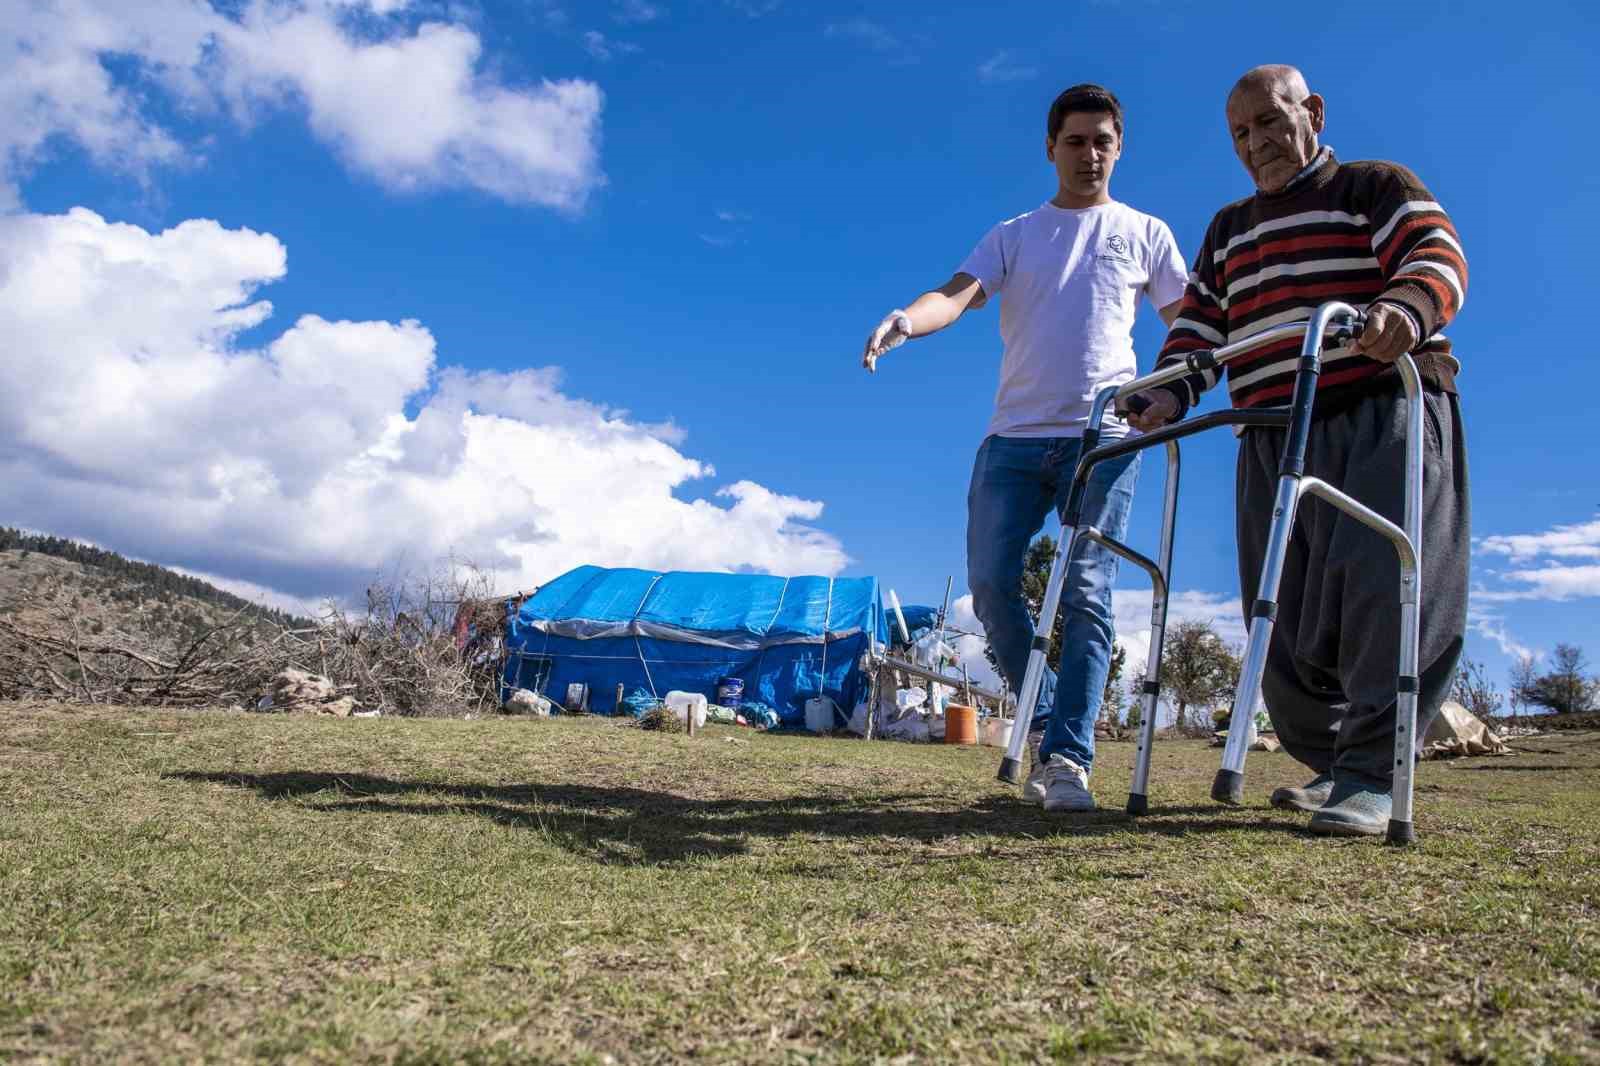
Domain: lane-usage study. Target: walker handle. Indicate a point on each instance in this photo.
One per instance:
(1123, 397)
(1347, 331)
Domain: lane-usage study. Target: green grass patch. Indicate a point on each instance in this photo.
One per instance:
(204, 885)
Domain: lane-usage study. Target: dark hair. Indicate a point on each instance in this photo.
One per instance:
(1087, 98)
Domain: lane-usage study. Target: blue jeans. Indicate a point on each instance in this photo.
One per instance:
(1016, 482)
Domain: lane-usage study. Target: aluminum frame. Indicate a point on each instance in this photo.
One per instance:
(1335, 320)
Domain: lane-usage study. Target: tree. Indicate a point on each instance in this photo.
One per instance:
(1197, 669)
(1035, 580)
(1111, 695)
(1565, 689)
(1522, 677)
(1474, 691)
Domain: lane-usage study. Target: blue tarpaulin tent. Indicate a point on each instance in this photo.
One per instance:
(787, 639)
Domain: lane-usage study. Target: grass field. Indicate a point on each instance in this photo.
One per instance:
(185, 886)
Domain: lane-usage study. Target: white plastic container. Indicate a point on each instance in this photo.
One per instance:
(995, 732)
(822, 714)
(683, 704)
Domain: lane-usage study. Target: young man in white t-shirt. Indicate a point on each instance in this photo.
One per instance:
(1069, 274)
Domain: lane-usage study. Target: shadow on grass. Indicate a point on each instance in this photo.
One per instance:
(639, 826)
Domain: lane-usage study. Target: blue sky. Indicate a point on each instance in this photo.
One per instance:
(572, 269)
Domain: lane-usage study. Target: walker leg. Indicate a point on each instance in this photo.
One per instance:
(1401, 828)
(1033, 678)
(1229, 784)
(1139, 788)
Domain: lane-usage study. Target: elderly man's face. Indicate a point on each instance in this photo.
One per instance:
(1274, 135)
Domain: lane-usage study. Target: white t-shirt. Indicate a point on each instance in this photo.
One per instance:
(1069, 282)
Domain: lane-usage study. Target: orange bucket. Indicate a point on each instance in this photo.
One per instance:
(960, 724)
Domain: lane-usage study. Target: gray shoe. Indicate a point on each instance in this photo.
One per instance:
(1357, 807)
(1309, 797)
(1033, 788)
(1066, 786)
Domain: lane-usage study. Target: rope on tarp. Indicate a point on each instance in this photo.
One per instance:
(827, 613)
(639, 648)
(761, 656)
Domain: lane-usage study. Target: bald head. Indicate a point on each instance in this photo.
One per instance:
(1274, 119)
(1273, 77)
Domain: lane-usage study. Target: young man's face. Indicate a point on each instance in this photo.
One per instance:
(1274, 136)
(1085, 152)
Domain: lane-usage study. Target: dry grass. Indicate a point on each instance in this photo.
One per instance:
(183, 885)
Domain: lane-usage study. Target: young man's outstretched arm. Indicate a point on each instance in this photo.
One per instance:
(928, 313)
(936, 309)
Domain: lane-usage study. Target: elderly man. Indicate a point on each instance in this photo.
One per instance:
(1370, 234)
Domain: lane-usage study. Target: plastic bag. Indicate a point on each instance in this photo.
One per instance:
(638, 703)
(759, 715)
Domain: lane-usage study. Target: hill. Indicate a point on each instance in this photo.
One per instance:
(107, 591)
(85, 625)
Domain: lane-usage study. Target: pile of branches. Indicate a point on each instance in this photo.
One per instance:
(401, 655)
(406, 653)
(51, 657)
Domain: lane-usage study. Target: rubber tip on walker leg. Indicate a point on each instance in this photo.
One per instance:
(1401, 833)
(1138, 804)
(1010, 771)
(1228, 788)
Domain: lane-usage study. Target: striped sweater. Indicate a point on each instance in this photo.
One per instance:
(1359, 232)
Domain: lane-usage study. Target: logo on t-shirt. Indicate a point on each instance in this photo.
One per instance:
(1117, 245)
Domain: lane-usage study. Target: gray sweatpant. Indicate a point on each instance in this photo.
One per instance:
(1331, 666)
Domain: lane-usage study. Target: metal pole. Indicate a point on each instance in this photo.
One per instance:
(1033, 677)
(1139, 789)
(944, 610)
(1401, 827)
(894, 601)
(1229, 784)
(912, 669)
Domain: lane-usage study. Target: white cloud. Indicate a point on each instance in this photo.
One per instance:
(407, 103)
(970, 648)
(1552, 582)
(1003, 66)
(130, 414)
(1545, 574)
(866, 33)
(302, 606)
(1578, 541)
(1490, 624)
(634, 12)
(1131, 611)
(604, 48)
(755, 8)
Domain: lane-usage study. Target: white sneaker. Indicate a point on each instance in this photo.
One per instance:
(1033, 788)
(1066, 786)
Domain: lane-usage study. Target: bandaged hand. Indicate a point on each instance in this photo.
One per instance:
(895, 329)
